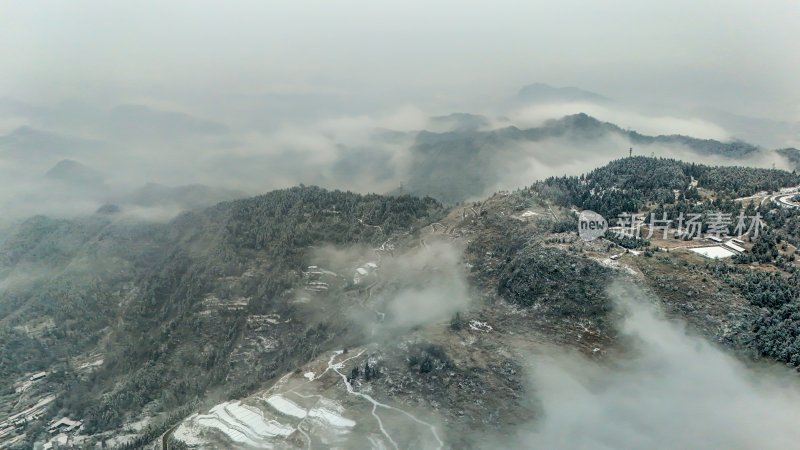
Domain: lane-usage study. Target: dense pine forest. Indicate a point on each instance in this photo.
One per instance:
(629, 184)
(148, 282)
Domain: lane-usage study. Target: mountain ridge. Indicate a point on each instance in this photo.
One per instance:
(231, 305)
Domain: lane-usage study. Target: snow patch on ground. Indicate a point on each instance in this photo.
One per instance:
(242, 424)
(186, 432)
(90, 364)
(477, 325)
(331, 418)
(608, 262)
(286, 407)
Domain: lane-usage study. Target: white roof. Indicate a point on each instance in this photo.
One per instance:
(362, 271)
(734, 247)
(713, 252)
(65, 421)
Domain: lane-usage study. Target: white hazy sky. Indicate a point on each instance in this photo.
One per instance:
(741, 56)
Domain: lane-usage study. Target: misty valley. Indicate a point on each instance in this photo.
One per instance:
(359, 226)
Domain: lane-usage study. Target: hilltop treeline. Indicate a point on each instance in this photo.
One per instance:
(629, 184)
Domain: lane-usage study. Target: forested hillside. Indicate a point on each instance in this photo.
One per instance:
(627, 185)
(766, 275)
(135, 320)
(136, 293)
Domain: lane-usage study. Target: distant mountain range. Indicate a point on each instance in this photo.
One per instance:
(466, 162)
(540, 92)
(72, 172)
(28, 144)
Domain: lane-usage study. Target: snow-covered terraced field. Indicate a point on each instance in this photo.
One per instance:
(331, 418)
(241, 424)
(286, 407)
(301, 411)
(247, 426)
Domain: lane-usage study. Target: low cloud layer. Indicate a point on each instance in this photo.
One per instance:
(671, 390)
(433, 285)
(653, 124)
(124, 147)
(253, 97)
(417, 287)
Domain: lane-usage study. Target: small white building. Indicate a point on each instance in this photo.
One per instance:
(316, 286)
(360, 274)
(715, 252)
(38, 376)
(368, 270)
(65, 424)
(56, 442)
(732, 246)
